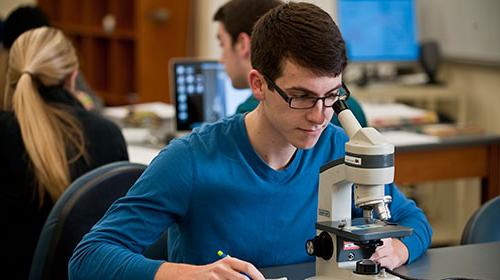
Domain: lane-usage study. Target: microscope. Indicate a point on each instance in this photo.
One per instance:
(343, 245)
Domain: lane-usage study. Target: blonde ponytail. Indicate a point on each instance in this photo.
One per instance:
(44, 56)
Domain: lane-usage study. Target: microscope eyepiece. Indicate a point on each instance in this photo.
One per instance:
(339, 106)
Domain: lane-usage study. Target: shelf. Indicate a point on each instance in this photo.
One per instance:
(112, 99)
(95, 31)
(428, 96)
(123, 49)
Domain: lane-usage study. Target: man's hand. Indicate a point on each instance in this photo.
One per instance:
(392, 254)
(226, 268)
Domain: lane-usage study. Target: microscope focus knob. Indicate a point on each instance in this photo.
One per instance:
(320, 246)
(367, 267)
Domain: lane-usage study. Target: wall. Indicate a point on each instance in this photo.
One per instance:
(482, 87)
(466, 30)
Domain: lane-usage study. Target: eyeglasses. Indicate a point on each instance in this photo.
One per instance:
(307, 102)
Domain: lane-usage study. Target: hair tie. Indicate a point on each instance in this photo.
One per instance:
(29, 73)
(34, 79)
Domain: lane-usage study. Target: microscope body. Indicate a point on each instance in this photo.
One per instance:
(343, 245)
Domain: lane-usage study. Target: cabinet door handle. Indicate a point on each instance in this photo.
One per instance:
(159, 16)
(109, 23)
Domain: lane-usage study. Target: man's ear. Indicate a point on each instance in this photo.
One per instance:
(70, 82)
(257, 84)
(243, 45)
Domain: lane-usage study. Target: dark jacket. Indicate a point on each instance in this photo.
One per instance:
(21, 217)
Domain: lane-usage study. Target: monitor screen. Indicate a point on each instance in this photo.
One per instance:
(379, 30)
(203, 92)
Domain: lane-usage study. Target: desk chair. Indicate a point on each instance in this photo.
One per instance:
(484, 225)
(76, 211)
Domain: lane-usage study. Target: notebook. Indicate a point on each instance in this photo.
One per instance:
(201, 92)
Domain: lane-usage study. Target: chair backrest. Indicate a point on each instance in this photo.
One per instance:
(80, 207)
(484, 225)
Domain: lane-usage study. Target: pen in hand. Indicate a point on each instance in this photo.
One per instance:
(223, 255)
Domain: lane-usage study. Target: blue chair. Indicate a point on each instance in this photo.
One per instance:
(484, 225)
(80, 207)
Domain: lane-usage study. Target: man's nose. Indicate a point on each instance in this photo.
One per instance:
(317, 113)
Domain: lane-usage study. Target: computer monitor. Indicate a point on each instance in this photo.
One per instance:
(379, 30)
(202, 92)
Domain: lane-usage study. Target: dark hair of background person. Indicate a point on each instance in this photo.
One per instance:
(20, 20)
(302, 33)
(239, 16)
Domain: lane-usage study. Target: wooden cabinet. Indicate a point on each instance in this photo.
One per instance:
(124, 46)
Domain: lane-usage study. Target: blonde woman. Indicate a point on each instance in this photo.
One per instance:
(47, 139)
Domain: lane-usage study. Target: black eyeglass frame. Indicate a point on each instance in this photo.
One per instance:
(289, 99)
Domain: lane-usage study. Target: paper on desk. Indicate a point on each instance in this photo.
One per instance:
(282, 278)
(162, 110)
(142, 155)
(401, 138)
(136, 135)
(396, 114)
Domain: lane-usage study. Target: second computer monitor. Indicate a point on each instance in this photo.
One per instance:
(379, 30)
(202, 92)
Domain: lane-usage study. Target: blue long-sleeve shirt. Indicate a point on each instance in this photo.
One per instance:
(213, 192)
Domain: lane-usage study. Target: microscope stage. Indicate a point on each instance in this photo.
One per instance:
(360, 229)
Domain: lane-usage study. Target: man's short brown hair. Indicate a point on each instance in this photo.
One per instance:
(239, 16)
(302, 33)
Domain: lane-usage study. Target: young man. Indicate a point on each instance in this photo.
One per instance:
(235, 21)
(246, 185)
